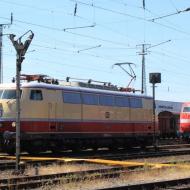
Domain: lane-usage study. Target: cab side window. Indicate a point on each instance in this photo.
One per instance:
(186, 109)
(36, 95)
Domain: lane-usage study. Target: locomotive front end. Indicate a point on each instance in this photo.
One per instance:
(7, 118)
(185, 121)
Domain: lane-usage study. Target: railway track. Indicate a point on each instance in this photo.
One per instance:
(10, 165)
(174, 150)
(176, 184)
(29, 182)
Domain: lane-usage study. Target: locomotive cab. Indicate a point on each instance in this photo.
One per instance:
(7, 114)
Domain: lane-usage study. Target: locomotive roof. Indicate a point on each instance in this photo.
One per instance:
(71, 88)
(186, 104)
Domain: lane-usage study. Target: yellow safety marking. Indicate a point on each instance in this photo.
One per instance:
(3, 156)
(101, 161)
(127, 164)
(42, 158)
(124, 163)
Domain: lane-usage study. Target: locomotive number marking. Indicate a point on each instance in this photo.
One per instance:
(107, 114)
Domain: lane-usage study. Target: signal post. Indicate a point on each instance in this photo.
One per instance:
(21, 49)
(154, 78)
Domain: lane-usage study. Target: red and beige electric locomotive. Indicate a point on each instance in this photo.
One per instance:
(74, 115)
(185, 121)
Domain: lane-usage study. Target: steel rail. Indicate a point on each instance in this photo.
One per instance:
(182, 184)
(64, 178)
(28, 182)
(5, 165)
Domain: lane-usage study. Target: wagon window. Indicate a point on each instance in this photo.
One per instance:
(36, 95)
(90, 99)
(186, 109)
(71, 97)
(121, 101)
(135, 102)
(106, 100)
(8, 94)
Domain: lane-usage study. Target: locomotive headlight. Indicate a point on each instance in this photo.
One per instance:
(13, 124)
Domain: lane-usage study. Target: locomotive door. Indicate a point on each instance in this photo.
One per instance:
(52, 107)
(52, 116)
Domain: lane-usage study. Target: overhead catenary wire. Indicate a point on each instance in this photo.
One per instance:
(98, 39)
(106, 9)
(79, 27)
(69, 14)
(93, 47)
(132, 16)
(171, 14)
(62, 30)
(95, 56)
(95, 39)
(102, 8)
(76, 52)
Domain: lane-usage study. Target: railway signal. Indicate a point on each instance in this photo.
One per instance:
(21, 49)
(154, 78)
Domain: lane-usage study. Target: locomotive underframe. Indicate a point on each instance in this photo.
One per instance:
(35, 143)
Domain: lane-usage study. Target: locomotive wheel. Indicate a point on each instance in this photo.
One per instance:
(95, 148)
(11, 151)
(143, 147)
(75, 148)
(113, 148)
(33, 151)
(56, 150)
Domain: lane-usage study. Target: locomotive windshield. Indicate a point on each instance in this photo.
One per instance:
(186, 109)
(8, 94)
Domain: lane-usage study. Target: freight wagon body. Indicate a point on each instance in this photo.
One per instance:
(57, 117)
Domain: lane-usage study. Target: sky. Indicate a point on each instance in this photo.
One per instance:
(84, 38)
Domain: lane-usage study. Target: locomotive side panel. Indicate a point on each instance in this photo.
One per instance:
(148, 116)
(33, 104)
(122, 109)
(90, 112)
(122, 114)
(147, 109)
(72, 107)
(55, 103)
